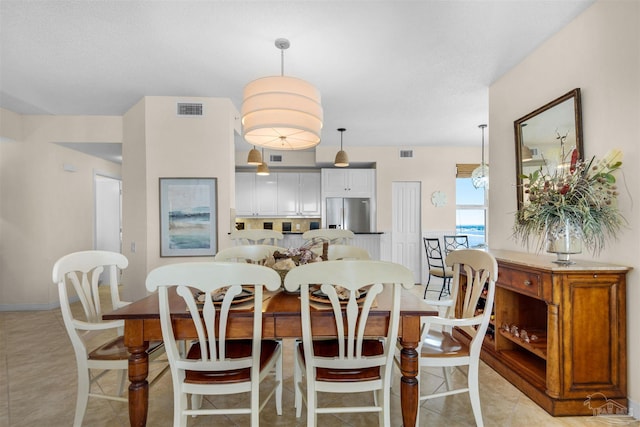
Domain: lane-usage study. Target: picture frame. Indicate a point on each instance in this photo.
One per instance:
(188, 217)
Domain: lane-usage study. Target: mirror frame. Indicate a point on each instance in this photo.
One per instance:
(518, 125)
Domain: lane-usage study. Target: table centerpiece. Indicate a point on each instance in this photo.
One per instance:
(284, 261)
(571, 205)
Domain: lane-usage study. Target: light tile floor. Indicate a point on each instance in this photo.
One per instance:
(38, 388)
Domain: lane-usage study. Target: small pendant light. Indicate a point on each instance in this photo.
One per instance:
(263, 169)
(254, 157)
(342, 160)
(480, 175)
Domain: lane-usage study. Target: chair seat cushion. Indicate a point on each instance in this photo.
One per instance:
(235, 349)
(329, 348)
(442, 344)
(111, 350)
(438, 272)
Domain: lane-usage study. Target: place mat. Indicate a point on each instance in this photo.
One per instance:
(245, 296)
(319, 301)
(316, 295)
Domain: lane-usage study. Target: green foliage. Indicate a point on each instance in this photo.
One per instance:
(584, 193)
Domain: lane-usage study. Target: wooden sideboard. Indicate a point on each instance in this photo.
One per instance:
(578, 315)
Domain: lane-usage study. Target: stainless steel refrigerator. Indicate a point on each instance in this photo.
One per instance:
(349, 213)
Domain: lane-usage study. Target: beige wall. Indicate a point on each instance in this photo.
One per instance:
(46, 212)
(158, 143)
(598, 52)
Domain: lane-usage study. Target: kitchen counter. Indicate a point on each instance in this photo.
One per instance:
(302, 232)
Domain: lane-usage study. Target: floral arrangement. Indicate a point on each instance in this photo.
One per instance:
(577, 193)
(292, 257)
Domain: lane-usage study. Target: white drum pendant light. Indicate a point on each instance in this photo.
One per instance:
(480, 175)
(281, 113)
(342, 160)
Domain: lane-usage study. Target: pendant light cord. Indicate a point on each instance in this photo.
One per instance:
(482, 127)
(341, 130)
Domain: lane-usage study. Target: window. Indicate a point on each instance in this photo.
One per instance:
(471, 207)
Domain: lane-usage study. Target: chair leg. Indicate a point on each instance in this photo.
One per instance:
(312, 416)
(446, 281)
(84, 384)
(447, 377)
(279, 381)
(122, 381)
(474, 392)
(196, 401)
(297, 382)
(179, 406)
(426, 287)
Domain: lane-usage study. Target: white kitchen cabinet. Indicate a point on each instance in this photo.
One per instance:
(299, 194)
(256, 195)
(348, 182)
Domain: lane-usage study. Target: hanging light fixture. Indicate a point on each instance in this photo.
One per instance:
(254, 157)
(342, 160)
(480, 175)
(263, 168)
(281, 113)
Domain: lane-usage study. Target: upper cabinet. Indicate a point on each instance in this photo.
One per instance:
(299, 194)
(256, 195)
(348, 182)
(278, 194)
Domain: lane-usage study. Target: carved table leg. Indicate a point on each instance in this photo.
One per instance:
(409, 387)
(138, 372)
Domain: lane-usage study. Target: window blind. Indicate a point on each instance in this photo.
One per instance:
(463, 170)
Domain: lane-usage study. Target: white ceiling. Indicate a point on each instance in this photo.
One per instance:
(405, 73)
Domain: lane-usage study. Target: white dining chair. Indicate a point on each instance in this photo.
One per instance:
(247, 253)
(350, 362)
(98, 345)
(337, 252)
(438, 347)
(436, 266)
(257, 237)
(329, 235)
(215, 365)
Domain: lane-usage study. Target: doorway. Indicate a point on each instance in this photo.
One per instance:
(406, 230)
(108, 215)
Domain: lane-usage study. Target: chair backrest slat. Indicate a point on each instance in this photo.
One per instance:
(83, 270)
(352, 317)
(453, 242)
(210, 278)
(330, 235)
(433, 252)
(257, 237)
(255, 254)
(481, 271)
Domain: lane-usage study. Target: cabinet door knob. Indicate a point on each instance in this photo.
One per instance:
(527, 282)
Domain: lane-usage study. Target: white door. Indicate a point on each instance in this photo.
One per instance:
(406, 231)
(108, 217)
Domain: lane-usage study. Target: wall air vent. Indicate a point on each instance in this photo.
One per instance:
(406, 153)
(189, 109)
(275, 158)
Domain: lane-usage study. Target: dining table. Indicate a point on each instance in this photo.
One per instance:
(281, 318)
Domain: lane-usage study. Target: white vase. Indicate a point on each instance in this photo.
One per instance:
(563, 239)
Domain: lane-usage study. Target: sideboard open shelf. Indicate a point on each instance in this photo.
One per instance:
(578, 316)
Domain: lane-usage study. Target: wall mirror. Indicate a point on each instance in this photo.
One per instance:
(546, 138)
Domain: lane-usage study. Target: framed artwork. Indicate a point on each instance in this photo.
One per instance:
(188, 217)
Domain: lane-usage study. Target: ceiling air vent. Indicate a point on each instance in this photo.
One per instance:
(275, 158)
(189, 109)
(406, 153)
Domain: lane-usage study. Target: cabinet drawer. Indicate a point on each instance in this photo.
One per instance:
(521, 281)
